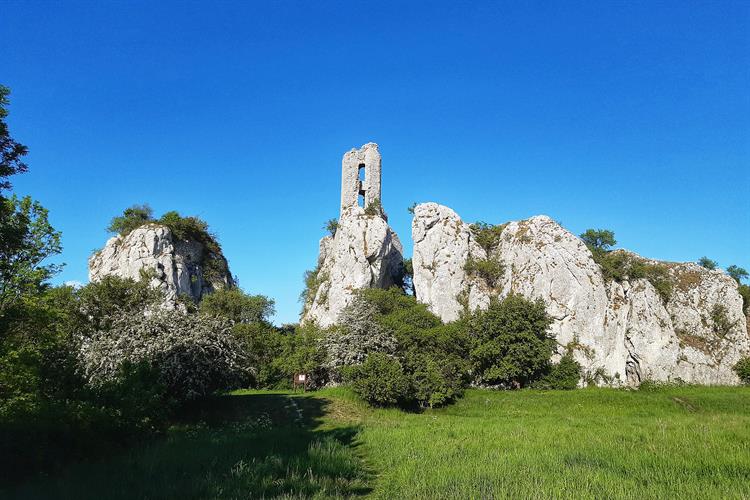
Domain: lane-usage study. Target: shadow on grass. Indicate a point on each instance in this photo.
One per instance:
(247, 446)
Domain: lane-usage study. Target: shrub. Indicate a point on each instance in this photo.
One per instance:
(742, 369)
(487, 235)
(374, 208)
(237, 306)
(745, 293)
(331, 226)
(563, 375)
(359, 333)
(112, 296)
(303, 351)
(433, 356)
(737, 273)
(313, 279)
(511, 345)
(489, 270)
(194, 355)
(131, 218)
(599, 239)
(707, 263)
(380, 380)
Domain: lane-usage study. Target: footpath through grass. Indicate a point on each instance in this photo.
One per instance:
(593, 443)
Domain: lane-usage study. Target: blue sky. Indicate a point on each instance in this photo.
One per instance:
(633, 116)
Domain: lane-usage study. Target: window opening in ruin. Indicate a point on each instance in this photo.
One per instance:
(362, 172)
(361, 200)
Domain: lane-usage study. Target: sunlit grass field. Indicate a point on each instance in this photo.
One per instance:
(686, 442)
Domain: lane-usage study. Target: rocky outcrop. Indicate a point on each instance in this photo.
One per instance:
(174, 266)
(621, 332)
(364, 253)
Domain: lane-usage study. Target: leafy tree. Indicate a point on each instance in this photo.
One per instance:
(11, 152)
(380, 380)
(303, 351)
(132, 218)
(737, 273)
(411, 208)
(193, 355)
(707, 263)
(26, 240)
(331, 226)
(359, 334)
(408, 278)
(237, 306)
(599, 239)
(101, 301)
(512, 343)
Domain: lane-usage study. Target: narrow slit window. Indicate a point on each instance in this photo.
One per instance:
(361, 200)
(362, 172)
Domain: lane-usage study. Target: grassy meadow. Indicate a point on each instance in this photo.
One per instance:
(687, 442)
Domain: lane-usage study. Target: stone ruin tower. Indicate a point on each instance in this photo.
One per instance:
(360, 177)
(363, 253)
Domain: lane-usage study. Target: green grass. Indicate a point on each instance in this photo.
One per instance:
(595, 443)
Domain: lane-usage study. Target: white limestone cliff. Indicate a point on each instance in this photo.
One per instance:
(364, 253)
(623, 333)
(173, 266)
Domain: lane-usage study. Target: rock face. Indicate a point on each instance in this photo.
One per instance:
(364, 253)
(620, 332)
(174, 266)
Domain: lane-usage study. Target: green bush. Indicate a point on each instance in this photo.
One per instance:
(563, 375)
(745, 293)
(512, 344)
(374, 208)
(331, 226)
(707, 263)
(131, 218)
(489, 270)
(237, 306)
(742, 369)
(599, 239)
(737, 273)
(487, 235)
(380, 380)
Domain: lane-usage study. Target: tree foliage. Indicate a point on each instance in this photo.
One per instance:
(237, 306)
(380, 380)
(11, 151)
(707, 263)
(737, 273)
(512, 344)
(742, 369)
(599, 239)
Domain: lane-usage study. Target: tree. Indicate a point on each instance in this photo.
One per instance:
(380, 380)
(331, 226)
(707, 263)
(512, 343)
(599, 239)
(237, 306)
(11, 152)
(27, 239)
(131, 218)
(359, 334)
(737, 273)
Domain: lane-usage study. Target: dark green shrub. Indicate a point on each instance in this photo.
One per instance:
(563, 375)
(487, 235)
(745, 293)
(707, 263)
(331, 226)
(737, 273)
(131, 218)
(380, 380)
(511, 342)
(235, 305)
(742, 369)
(489, 270)
(599, 239)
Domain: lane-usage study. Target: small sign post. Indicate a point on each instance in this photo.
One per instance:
(300, 379)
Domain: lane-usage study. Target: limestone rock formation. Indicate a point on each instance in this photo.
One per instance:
(364, 253)
(174, 266)
(620, 332)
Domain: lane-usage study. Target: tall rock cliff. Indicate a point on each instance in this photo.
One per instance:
(364, 253)
(176, 267)
(621, 332)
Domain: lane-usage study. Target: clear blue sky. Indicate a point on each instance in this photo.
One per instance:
(633, 116)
